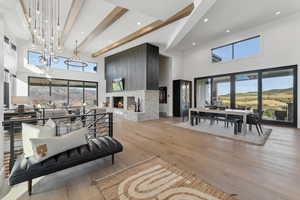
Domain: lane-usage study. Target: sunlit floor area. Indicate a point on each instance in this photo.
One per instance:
(252, 172)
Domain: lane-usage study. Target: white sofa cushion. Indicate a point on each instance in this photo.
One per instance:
(35, 131)
(44, 148)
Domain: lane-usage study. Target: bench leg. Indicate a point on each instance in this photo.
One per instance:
(113, 159)
(29, 187)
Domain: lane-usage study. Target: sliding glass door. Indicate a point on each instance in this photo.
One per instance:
(221, 91)
(39, 90)
(90, 94)
(246, 91)
(63, 92)
(76, 93)
(270, 92)
(278, 95)
(203, 92)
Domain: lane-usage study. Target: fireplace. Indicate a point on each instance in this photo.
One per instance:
(118, 102)
(123, 104)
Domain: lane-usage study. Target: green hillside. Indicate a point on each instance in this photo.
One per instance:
(276, 99)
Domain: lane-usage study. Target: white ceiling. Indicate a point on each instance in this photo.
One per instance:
(236, 15)
(160, 9)
(14, 19)
(126, 25)
(87, 22)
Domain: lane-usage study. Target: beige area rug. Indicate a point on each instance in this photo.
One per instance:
(219, 130)
(155, 179)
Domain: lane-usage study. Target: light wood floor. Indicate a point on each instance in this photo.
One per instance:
(253, 172)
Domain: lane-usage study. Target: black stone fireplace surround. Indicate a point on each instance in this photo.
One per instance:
(118, 102)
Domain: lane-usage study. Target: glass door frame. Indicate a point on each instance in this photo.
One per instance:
(68, 87)
(259, 91)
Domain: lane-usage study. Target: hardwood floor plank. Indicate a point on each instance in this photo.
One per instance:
(252, 172)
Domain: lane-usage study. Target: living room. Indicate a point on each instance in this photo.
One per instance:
(185, 99)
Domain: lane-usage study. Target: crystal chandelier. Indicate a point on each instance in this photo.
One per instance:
(44, 22)
(75, 60)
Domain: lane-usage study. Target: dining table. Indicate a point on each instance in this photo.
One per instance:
(236, 112)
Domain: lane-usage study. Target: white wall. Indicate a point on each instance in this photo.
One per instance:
(1, 100)
(176, 72)
(25, 70)
(280, 42)
(165, 80)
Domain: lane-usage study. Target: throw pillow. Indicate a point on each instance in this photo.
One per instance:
(36, 131)
(28, 131)
(44, 148)
(49, 130)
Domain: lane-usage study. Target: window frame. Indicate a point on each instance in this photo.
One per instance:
(68, 87)
(68, 67)
(260, 106)
(232, 48)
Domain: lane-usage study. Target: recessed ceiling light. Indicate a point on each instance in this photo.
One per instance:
(82, 32)
(205, 20)
(194, 43)
(139, 23)
(278, 13)
(227, 31)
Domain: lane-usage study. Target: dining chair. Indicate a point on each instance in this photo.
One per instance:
(255, 119)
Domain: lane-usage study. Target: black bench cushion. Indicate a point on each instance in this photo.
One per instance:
(25, 170)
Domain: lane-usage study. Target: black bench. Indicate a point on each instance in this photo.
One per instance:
(25, 170)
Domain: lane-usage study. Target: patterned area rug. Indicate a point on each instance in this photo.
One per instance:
(155, 179)
(251, 137)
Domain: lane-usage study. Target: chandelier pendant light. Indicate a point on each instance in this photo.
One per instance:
(75, 60)
(44, 19)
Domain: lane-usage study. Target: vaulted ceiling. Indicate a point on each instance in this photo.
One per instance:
(96, 24)
(107, 26)
(237, 15)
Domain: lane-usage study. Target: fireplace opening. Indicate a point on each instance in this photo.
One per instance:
(118, 102)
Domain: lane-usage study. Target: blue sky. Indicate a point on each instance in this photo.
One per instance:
(242, 49)
(34, 58)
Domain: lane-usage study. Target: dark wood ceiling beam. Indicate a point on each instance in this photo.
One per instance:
(146, 30)
(110, 19)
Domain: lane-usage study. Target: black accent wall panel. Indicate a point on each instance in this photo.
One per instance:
(152, 67)
(138, 66)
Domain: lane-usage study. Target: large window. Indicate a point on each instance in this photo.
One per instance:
(6, 89)
(270, 92)
(76, 93)
(39, 90)
(63, 92)
(59, 92)
(277, 95)
(34, 58)
(241, 49)
(90, 93)
(221, 91)
(246, 91)
(203, 91)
